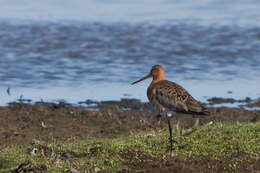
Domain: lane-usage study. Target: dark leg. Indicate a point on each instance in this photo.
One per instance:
(170, 130)
(159, 116)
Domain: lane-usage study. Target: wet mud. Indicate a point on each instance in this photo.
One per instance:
(220, 100)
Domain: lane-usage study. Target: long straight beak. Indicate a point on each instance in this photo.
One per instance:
(149, 75)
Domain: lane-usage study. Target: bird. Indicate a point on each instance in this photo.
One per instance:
(169, 98)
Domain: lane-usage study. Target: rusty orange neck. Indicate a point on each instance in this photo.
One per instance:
(159, 77)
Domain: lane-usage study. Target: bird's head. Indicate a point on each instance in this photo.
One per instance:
(157, 72)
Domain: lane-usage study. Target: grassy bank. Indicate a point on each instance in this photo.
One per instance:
(221, 147)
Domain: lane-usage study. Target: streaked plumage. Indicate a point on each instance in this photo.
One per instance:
(168, 96)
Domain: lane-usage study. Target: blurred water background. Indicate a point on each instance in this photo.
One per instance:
(93, 49)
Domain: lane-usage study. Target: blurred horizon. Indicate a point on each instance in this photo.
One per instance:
(209, 12)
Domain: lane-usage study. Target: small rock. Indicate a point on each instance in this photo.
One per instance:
(33, 151)
(74, 170)
(97, 169)
(44, 125)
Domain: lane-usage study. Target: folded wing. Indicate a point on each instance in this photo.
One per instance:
(171, 96)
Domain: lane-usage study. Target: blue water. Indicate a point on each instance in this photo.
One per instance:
(83, 49)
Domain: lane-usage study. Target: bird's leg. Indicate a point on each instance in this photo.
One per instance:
(167, 115)
(196, 123)
(170, 131)
(159, 116)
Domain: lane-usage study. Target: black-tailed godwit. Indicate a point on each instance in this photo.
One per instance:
(170, 98)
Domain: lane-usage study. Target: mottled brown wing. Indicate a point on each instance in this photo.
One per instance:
(171, 96)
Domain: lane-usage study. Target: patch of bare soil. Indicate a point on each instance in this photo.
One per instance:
(200, 164)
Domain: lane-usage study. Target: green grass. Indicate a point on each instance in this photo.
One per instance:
(228, 144)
